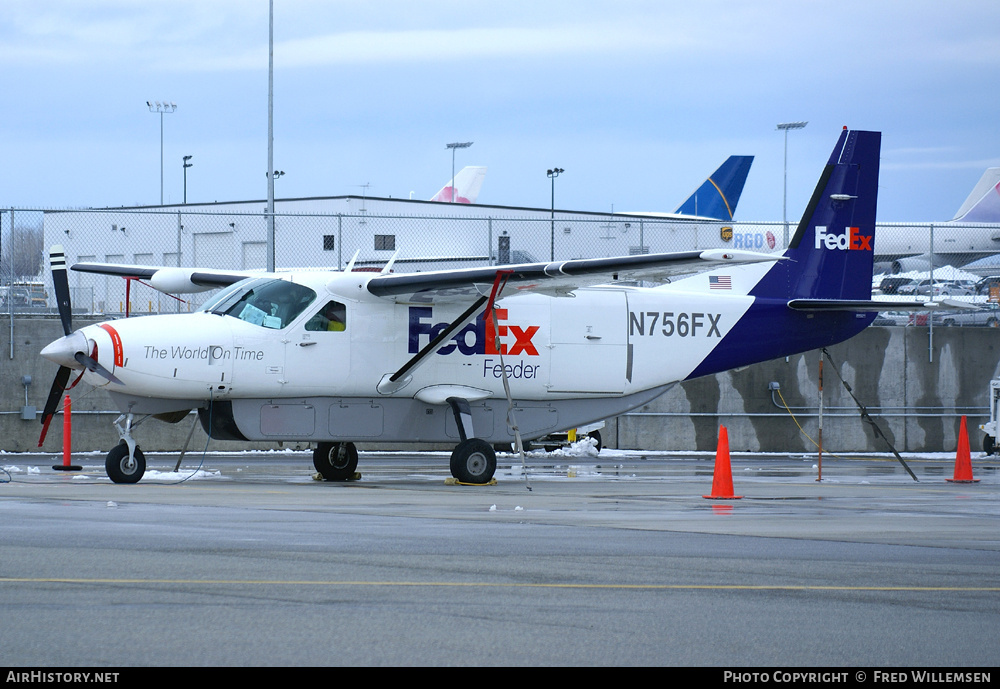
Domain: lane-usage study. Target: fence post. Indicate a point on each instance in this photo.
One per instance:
(180, 226)
(10, 283)
(930, 295)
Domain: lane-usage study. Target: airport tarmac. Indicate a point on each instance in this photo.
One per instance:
(243, 559)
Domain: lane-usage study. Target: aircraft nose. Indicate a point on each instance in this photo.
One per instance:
(64, 350)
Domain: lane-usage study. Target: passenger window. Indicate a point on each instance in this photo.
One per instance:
(331, 318)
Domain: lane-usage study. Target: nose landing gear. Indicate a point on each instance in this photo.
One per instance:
(125, 467)
(125, 463)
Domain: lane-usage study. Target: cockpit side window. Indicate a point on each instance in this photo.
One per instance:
(331, 318)
(266, 302)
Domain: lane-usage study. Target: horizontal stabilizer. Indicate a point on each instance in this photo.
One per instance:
(864, 305)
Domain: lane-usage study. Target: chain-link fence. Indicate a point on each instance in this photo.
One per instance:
(943, 260)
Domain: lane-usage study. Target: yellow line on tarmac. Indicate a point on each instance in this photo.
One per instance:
(475, 584)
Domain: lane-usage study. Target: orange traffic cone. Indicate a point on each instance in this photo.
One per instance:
(963, 460)
(722, 480)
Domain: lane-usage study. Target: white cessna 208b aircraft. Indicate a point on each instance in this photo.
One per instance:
(335, 358)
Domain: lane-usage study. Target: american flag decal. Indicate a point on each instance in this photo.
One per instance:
(720, 282)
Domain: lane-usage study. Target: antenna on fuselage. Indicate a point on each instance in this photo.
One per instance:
(350, 265)
(388, 266)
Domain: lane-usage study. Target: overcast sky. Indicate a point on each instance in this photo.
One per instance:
(638, 101)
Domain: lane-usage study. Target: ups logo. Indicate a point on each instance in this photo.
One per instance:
(726, 233)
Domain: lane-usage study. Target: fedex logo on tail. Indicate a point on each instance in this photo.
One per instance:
(850, 240)
(477, 337)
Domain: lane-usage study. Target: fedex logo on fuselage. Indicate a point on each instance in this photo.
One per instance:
(478, 337)
(850, 240)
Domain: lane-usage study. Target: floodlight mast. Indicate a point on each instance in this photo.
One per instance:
(552, 174)
(186, 166)
(270, 138)
(785, 126)
(164, 107)
(453, 147)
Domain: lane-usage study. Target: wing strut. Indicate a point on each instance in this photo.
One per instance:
(499, 282)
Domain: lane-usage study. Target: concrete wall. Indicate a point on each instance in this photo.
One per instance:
(916, 393)
(916, 402)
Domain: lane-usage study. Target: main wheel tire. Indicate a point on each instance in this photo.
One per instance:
(119, 469)
(473, 461)
(989, 444)
(336, 461)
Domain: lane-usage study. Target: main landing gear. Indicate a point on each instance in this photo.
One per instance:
(336, 461)
(473, 460)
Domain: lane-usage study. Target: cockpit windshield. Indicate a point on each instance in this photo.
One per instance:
(266, 302)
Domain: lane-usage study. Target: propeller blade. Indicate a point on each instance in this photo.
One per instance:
(95, 367)
(52, 403)
(61, 283)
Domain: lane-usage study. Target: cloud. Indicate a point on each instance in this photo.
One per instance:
(442, 46)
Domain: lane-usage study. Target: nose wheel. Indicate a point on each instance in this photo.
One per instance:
(125, 463)
(123, 468)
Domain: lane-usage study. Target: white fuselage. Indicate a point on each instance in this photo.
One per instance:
(612, 343)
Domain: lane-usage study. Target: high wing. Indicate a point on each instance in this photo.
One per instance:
(556, 278)
(170, 280)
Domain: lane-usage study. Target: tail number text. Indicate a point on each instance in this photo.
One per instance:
(670, 324)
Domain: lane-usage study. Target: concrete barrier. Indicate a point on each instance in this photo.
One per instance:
(916, 392)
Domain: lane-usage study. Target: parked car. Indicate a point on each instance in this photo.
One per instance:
(967, 286)
(988, 316)
(941, 288)
(891, 318)
(892, 285)
(34, 293)
(936, 288)
(20, 296)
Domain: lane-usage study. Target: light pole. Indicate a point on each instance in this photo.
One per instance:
(453, 147)
(269, 249)
(186, 166)
(553, 173)
(785, 126)
(271, 178)
(164, 107)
